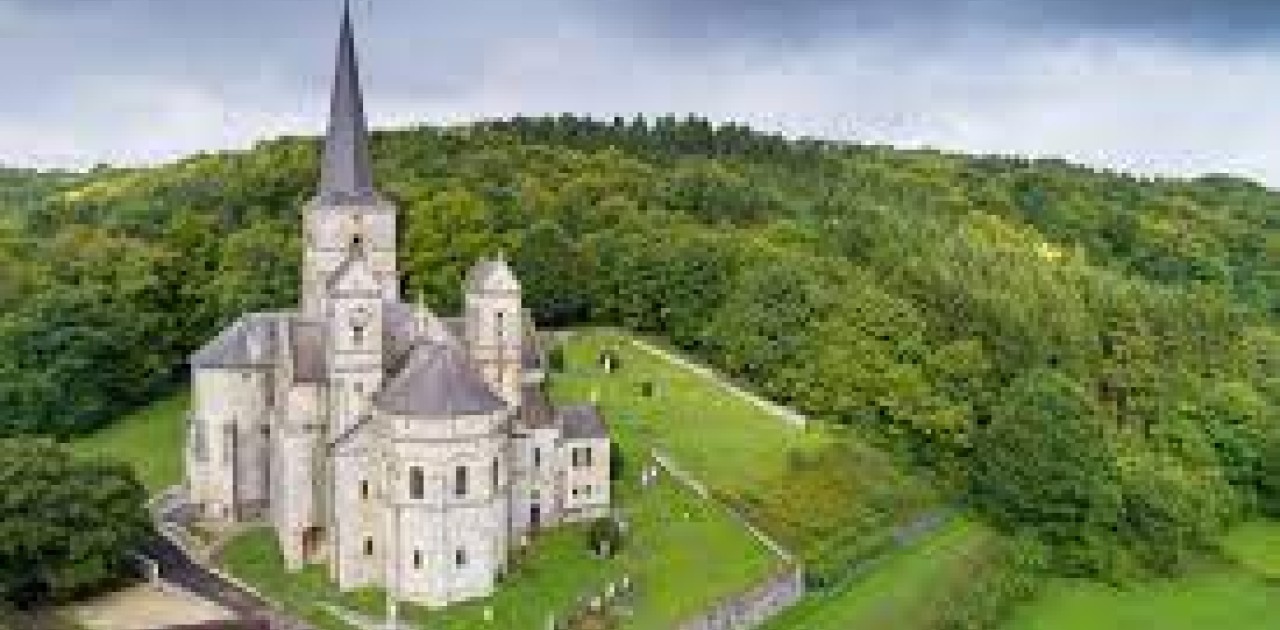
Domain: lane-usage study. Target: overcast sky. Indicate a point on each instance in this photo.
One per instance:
(1152, 86)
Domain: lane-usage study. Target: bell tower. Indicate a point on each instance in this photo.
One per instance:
(347, 217)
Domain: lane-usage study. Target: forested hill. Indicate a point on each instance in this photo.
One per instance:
(934, 299)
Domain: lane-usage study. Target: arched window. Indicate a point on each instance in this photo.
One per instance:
(368, 546)
(364, 490)
(417, 559)
(357, 334)
(417, 483)
(460, 557)
(496, 471)
(500, 322)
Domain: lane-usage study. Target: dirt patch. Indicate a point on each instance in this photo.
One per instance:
(145, 607)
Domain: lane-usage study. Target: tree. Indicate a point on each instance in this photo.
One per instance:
(66, 525)
(1044, 465)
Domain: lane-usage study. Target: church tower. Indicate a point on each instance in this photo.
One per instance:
(347, 218)
(495, 326)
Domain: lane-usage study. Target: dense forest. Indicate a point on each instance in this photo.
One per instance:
(1092, 359)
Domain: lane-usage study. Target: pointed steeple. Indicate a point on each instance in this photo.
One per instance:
(346, 173)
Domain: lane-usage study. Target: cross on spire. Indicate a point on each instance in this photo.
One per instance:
(346, 172)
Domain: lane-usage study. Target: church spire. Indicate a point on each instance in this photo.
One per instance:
(346, 174)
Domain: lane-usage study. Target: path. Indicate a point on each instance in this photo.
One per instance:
(180, 568)
(788, 415)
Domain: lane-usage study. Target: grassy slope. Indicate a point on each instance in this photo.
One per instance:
(150, 439)
(1222, 598)
(899, 593)
(806, 488)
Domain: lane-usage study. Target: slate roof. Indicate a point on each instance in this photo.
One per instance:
(249, 342)
(535, 409)
(399, 329)
(580, 422)
(438, 381)
(346, 172)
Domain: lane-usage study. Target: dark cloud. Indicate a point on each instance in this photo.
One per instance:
(1229, 23)
(1172, 86)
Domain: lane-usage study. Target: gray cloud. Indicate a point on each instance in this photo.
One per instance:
(1159, 87)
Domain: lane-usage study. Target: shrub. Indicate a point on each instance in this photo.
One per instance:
(602, 532)
(66, 525)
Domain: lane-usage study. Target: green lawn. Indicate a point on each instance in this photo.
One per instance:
(899, 593)
(151, 440)
(810, 489)
(682, 553)
(1221, 598)
(1256, 546)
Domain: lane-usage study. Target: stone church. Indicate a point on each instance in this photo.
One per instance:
(400, 449)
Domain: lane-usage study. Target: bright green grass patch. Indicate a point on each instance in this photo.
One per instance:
(1217, 597)
(151, 440)
(1256, 546)
(810, 489)
(1217, 600)
(681, 553)
(900, 593)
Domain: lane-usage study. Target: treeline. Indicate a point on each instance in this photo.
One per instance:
(1093, 356)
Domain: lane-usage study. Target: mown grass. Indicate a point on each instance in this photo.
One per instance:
(900, 592)
(810, 489)
(1241, 594)
(151, 440)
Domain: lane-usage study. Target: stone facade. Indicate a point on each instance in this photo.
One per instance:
(399, 449)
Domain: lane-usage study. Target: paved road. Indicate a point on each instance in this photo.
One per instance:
(176, 567)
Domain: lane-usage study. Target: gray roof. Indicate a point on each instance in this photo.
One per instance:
(399, 329)
(249, 342)
(438, 381)
(535, 409)
(582, 422)
(346, 172)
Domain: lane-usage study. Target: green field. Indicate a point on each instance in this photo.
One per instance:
(812, 490)
(1228, 597)
(151, 440)
(899, 593)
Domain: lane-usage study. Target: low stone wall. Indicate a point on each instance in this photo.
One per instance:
(752, 608)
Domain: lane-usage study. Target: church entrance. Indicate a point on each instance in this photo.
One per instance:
(312, 539)
(535, 517)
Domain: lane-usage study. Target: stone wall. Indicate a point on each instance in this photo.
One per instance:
(752, 608)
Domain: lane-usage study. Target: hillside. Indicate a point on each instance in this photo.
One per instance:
(1086, 358)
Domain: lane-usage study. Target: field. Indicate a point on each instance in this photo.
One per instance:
(899, 593)
(821, 494)
(151, 440)
(1239, 597)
